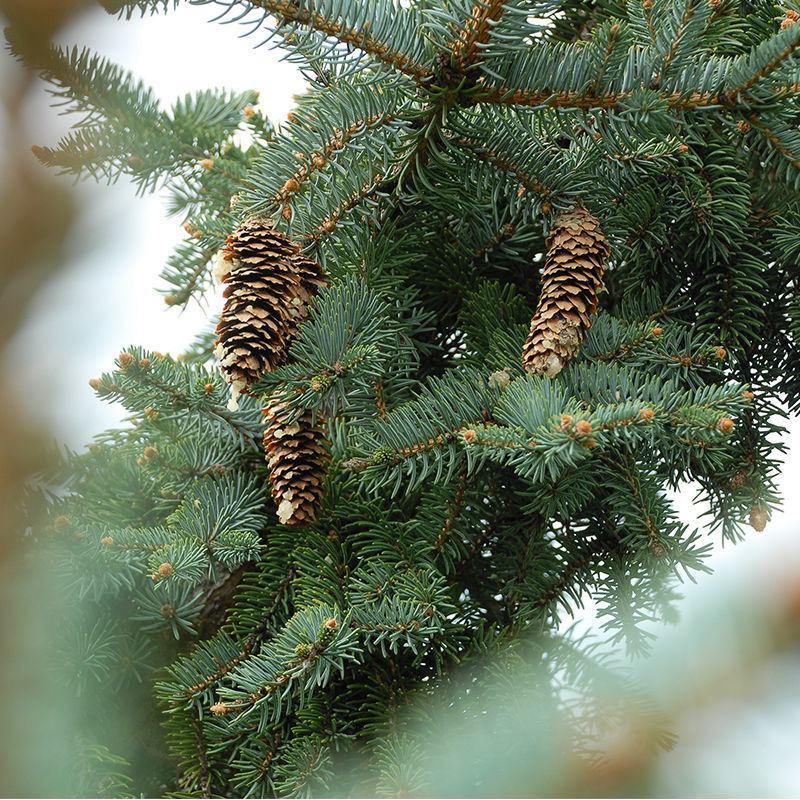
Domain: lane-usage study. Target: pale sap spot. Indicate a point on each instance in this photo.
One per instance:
(285, 511)
(222, 266)
(553, 365)
(236, 389)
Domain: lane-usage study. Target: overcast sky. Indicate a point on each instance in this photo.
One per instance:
(104, 301)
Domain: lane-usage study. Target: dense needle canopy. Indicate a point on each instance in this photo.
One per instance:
(559, 244)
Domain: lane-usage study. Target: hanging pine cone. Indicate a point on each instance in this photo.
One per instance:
(571, 280)
(297, 457)
(268, 287)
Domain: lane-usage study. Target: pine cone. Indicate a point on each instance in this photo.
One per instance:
(269, 285)
(298, 458)
(571, 280)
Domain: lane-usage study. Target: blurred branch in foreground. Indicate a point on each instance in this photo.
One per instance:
(501, 732)
(38, 214)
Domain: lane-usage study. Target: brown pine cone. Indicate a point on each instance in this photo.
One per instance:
(268, 288)
(297, 457)
(571, 280)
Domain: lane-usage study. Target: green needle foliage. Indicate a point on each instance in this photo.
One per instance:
(470, 509)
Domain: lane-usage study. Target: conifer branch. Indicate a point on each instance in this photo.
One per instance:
(454, 510)
(317, 161)
(331, 222)
(503, 234)
(475, 32)
(613, 38)
(294, 12)
(773, 138)
(526, 181)
(380, 400)
(557, 588)
(769, 67)
(215, 677)
(613, 101)
(688, 13)
(192, 280)
(504, 95)
(654, 541)
(201, 751)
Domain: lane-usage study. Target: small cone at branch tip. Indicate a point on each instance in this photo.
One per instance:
(268, 287)
(219, 709)
(95, 384)
(166, 570)
(469, 436)
(726, 425)
(297, 457)
(106, 541)
(583, 427)
(571, 280)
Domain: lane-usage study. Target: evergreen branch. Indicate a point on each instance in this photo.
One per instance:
(331, 222)
(563, 583)
(201, 749)
(337, 133)
(527, 183)
(475, 32)
(610, 49)
(792, 38)
(318, 161)
(613, 101)
(187, 269)
(774, 139)
(365, 36)
(454, 510)
(151, 380)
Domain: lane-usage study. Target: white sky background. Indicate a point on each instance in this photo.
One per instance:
(104, 300)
